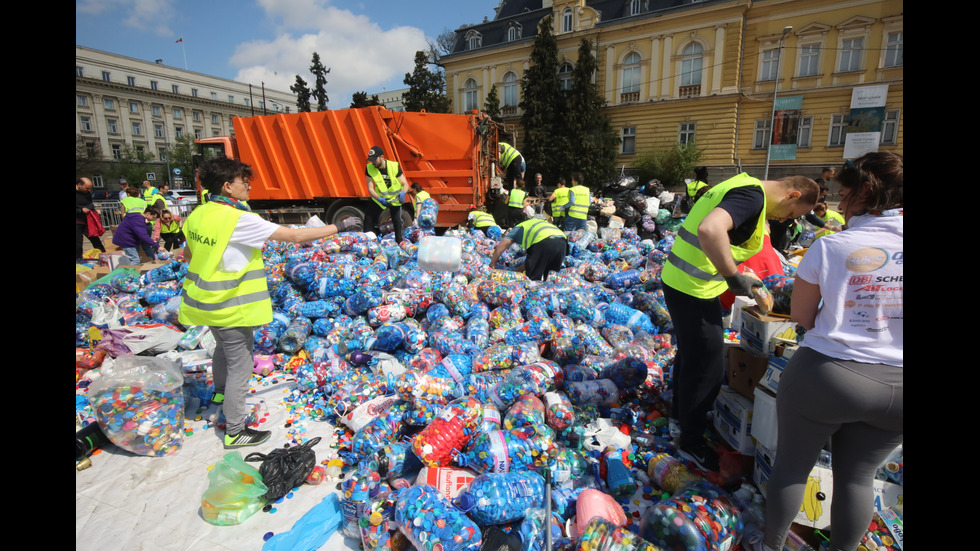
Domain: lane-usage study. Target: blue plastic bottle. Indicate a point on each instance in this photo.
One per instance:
(499, 498)
(619, 479)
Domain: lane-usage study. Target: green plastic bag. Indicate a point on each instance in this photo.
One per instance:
(235, 492)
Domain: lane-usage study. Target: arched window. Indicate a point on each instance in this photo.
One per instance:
(566, 21)
(510, 90)
(514, 32)
(631, 78)
(691, 63)
(633, 7)
(565, 77)
(473, 40)
(470, 100)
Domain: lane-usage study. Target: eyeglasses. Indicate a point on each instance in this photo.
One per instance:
(245, 183)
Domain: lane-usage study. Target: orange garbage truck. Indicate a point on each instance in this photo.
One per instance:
(314, 163)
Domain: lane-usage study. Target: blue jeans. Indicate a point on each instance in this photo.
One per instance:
(133, 254)
(572, 224)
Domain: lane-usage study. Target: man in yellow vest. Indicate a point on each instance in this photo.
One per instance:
(577, 207)
(480, 220)
(516, 203)
(225, 287)
(387, 185)
(696, 187)
(545, 244)
(559, 199)
(511, 164)
(725, 227)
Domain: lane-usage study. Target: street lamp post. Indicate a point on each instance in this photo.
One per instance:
(775, 91)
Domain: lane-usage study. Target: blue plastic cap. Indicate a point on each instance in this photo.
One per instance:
(464, 502)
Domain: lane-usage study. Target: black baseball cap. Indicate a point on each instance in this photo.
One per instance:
(374, 153)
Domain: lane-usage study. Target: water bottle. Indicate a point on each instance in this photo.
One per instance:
(413, 386)
(595, 345)
(624, 315)
(386, 428)
(358, 489)
(430, 521)
(627, 373)
(394, 460)
(624, 279)
(558, 410)
(699, 516)
(295, 335)
(619, 479)
(601, 535)
(449, 432)
(501, 451)
(454, 367)
(499, 498)
(526, 410)
(428, 212)
(599, 392)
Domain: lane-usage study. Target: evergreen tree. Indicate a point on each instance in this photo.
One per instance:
(303, 94)
(546, 148)
(492, 105)
(320, 84)
(594, 144)
(360, 99)
(426, 88)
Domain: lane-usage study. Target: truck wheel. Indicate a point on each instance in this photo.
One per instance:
(385, 219)
(345, 211)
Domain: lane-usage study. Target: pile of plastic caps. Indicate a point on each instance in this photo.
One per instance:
(513, 384)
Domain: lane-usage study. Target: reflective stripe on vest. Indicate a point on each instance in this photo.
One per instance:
(389, 193)
(133, 204)
(149, 193)
(483, 220)
(214, 297)
(580, 209)
(422, 196)
(517, 198)
(172, 228)
(687, 268)
(508, 155)
(536, 231)
(561, 199)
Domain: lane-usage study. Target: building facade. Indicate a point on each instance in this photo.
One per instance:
(705, 71)
(122, 102)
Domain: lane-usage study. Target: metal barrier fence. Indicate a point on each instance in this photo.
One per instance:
(112, 211)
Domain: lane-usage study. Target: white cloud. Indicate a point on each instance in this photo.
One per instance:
(144, 15)
(360, 54)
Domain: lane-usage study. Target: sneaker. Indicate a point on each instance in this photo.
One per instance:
(674, 428)
(701, 455)
(248, 437)
(218, 398)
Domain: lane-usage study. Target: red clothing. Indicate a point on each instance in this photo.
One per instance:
(765, 263)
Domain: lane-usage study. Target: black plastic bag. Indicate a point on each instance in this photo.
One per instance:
(285, 468)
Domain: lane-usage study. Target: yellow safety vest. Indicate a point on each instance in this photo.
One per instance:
(149, 193)
(517, 198)
(508, 155)
(172, 228)
(217, 298)
(133, 204)
(536, 231)
(687, 268)
(422, 196)
(483, 220)
(389, 193)
(693, 187)
(580, 209)
(561, 199)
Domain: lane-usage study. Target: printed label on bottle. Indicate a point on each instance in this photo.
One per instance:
(451, 368)
(498, 450)
(660, 468)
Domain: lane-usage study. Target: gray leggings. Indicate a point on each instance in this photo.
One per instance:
(231, 367)
(859, 408)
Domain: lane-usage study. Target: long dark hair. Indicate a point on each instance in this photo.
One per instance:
(882, 171)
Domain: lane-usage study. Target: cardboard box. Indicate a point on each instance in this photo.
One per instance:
(736, 320)
(85, 278)
(147, 266)
(764, 428)
(733, 420)
(758, 329)
(782, 352)
(450, 481)
(745, 370)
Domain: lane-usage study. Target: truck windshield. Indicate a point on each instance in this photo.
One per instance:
(210, 151)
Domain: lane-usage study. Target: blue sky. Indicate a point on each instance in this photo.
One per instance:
(368, 46)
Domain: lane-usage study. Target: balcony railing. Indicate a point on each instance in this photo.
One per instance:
(627, 97)
(690, 91)
(508, 110)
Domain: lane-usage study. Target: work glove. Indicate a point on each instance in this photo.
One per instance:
(383, 201)
(401, 197)
(348, 223)
(742, 285)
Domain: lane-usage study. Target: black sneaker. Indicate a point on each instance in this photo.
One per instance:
(701, 455)
(248, 437)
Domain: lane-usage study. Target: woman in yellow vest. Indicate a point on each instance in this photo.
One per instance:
(225, 287)
(516, 203)
(418, 196)
(726, 226)
(823, 212)
(545, 244)
(387, 185)
(170, 230)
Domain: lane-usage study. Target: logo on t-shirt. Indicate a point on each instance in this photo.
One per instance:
(867, 259)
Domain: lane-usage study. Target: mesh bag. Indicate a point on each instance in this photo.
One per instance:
(285, 468)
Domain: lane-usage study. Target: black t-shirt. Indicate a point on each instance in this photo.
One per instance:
(384, 173)
(743, 204)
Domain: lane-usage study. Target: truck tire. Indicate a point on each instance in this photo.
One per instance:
(344, 212)
(385, 218)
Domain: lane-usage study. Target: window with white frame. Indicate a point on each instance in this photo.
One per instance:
(162, 153)
(111, 126)
(566, 20)
(510, 89)
(105, 76)
(850, 54)
(513, 32)
(247, 102)
(90, 150)
(565, 77)
(473, 40)
(889, 127)
(116, 151)
(770, 64)
(156, 111)
(633, 7)
(231, 98)
(838, 130)
(691, 64)
(131, 81)
(178, 131)
(85, 123)
(97, 181)
(215, 131)
(193, 92)
(805, 131)
(82, 101)
(809, 60)
(134, 107)
(196, 116)
(198, 134)
(685, 133)
(760, 138)
(628, 141)
(137, 128)
(631, 73)
(109, 104)
(140, 149)
(894, 45)
(470, 93)
(158, 130)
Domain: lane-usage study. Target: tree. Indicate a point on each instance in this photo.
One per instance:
(443, 45)
(594, 143)
(87, 160)
(181, 155)
(132, 165)
(320, 83)
(492, 104)
(360, 99)
(303, 94)
(426, 87)
(670, 163)
(546, 148)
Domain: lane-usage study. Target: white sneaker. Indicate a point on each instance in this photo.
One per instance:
(674, 427)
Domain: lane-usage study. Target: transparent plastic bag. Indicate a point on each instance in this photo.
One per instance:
(234, 493)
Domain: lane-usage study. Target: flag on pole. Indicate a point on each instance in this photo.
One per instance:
(181, 39)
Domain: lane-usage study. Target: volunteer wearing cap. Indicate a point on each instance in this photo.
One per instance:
(726, 226)
(545, 244)
(387, 184)
(577, 206)
(225, 287)
(480, 220)
(512, 163)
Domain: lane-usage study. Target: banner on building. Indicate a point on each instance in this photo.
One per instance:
(786, 127)
(865, 120)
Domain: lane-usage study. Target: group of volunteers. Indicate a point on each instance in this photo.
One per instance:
(845, 384)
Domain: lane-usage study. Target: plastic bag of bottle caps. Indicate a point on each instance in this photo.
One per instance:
(170, 271)
(558, 410)
(699, 516)
(499, 498)
(595, 345)
(621, 314)
(601, 535)
(669, 473)
(387, 427)
(495, 293)
(139, 404)
(480, 385)
(519, 449)
(526, 410)
(451, 430)
(626, 373)
(413, 385)
(781, 288)
(362, 485)
(430, 521)
(600, 392)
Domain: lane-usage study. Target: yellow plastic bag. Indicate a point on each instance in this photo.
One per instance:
(235, 492)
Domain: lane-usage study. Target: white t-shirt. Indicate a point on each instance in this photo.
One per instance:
(251, 232)
(860, 272)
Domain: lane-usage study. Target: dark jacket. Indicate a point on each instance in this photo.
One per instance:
(83, 199)
(132, 231)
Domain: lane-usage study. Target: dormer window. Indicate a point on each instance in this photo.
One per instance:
(474, 40)
(514, 32)
(633, 7)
